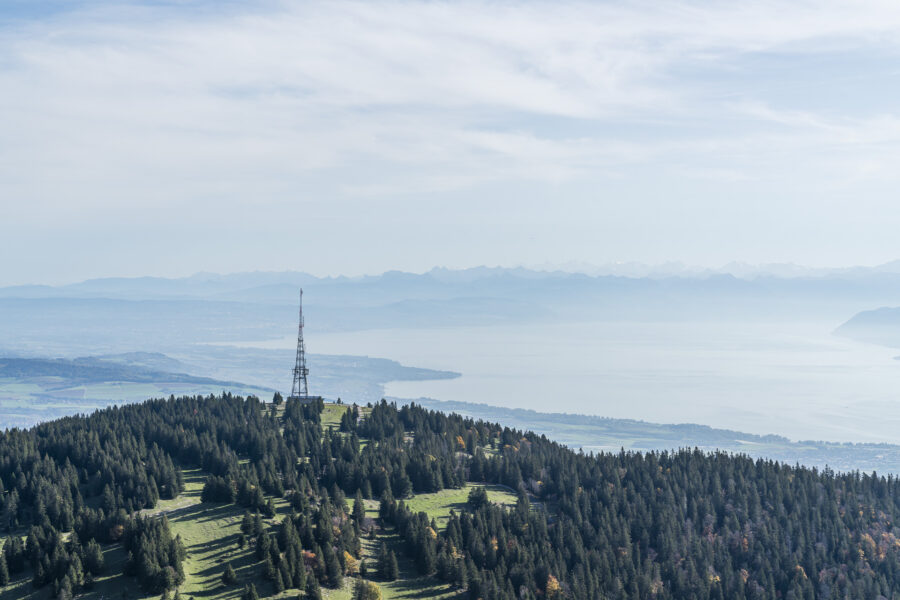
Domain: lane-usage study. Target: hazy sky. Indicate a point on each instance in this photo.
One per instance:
(347, 137)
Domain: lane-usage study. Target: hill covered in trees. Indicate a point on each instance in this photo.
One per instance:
(227, 497)
(595, 433)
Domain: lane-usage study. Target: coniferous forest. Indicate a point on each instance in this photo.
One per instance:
(683, 524)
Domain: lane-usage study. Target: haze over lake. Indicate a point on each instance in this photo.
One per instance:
(755, 355)
(793, 379)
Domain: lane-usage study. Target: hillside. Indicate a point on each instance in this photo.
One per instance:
(880, 326)
(593, 433)
(222, 497)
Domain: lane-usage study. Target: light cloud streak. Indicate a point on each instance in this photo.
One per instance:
(117, 115)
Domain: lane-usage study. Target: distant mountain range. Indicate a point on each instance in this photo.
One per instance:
(271, 286)
(165, 315)
(738, 269)
(205, 284)
(483, 294)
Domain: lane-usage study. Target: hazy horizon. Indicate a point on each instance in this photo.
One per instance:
(175, 137)
(255, 142)
(632, 269)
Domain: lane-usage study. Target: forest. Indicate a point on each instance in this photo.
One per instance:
(629, 525)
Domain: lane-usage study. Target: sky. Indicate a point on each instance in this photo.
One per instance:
(166, 138)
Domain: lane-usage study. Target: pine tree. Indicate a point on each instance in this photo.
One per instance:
(250, 593)
(461, 578)
(286, 577)
(93, 557)
(393, 567)
(229, 577)
(269, 569)
(384, 563)
(278, 582)
(477, 498)
(359, 509)
(262, 546)
(333, 572)
(247, 527)
(300, 576)
(313, 592)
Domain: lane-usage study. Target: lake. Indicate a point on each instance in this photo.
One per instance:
(796, 380)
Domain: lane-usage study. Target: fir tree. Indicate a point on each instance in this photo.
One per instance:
(250, 593)
(313, 592)
(229, 577)
(359, 509)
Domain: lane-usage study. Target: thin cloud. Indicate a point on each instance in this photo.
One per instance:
(109, 109)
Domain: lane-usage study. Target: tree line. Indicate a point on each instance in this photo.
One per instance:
(627, 525)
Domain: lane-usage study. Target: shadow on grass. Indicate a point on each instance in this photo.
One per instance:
(410, 584)
(422, 587)
(222, 544)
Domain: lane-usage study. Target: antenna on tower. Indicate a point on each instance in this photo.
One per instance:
(300, 388)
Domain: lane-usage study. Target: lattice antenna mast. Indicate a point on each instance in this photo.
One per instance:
(300, 388)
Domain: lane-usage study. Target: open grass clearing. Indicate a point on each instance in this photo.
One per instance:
(439, 504)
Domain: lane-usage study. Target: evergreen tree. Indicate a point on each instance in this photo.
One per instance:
(393, 568)
(366, 590)
(277, 582)
(93, 555)
(334, 573)
(478, 498)
(359, 509)
(247, 524)
(250, 593)
(313, 592)
(229, 577)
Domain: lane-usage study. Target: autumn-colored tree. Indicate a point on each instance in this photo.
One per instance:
(366, 590)
(552, 590)
(351, 565)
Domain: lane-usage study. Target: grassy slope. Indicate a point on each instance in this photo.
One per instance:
(331, 416)
(411, 584)
(209, 532)
(438, 505)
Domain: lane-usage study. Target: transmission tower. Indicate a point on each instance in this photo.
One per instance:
(300, 389)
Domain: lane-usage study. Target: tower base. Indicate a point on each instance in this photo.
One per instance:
(306, 399)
